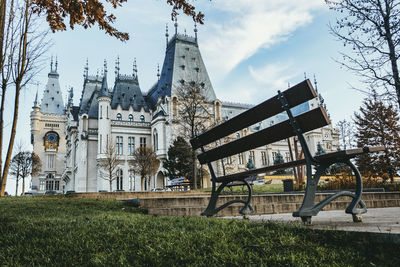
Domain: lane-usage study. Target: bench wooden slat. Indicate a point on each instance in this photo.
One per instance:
(349, 153)
(245, 174)
(295, 95)
(308, 121)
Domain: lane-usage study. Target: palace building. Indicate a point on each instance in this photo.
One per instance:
(71, 140)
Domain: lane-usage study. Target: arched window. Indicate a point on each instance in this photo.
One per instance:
(130, 117)
(119, 117)
(175, 106)
(155, 140)
(119, 179)
(142, 118)
(218, 111)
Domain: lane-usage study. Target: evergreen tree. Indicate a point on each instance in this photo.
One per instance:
(320, 150)
(179, 162)
(377, 124)
(279, 160)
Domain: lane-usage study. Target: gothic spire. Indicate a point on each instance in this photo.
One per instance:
(117, 68)
(51, 64)
(56, 63)
(166, 33)
(195, 31)
(86, 69)
(134, 68)
(35, 103)
(176, 26)
(315, 84)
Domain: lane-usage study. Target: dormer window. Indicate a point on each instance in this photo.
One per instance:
(183, 67)
(197, 69)
(130, 117)
(142, 118)
(119, 117)
(182, 81)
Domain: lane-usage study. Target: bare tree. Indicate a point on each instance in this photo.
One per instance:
(108, 163)
(24, 164)
(193, 116)
(144, 162)
(23, 47)
(346, 130)
(372, 29)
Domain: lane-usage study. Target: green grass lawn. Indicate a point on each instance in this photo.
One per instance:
(51, 231)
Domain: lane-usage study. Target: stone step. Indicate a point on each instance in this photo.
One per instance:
(271, 208)
(144, 194)
(202, 201)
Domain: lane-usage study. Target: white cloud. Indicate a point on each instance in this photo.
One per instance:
(276, 75)
(247, 26)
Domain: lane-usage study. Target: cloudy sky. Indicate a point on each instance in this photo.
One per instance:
(250, 48)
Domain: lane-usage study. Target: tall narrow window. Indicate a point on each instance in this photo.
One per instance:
(56, 185)
(130, 117)
(287, 157)
(131, 145)
(175, 106)
(119, 179)
(107, 112)
(50, 161)
(241, 158)
(264, 158)
(119, 145)
(119, 117)
(155, 140)
(142, 118)
(100, 144)
(142, 141)
(252, 157)
(101, 111)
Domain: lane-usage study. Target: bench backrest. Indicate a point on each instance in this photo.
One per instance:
(295, 96)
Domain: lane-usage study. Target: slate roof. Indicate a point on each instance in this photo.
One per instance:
(52, 102)
(90, 86)
(127, 93)
(182, 64)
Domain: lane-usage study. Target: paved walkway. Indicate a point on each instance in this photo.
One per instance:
(381, 220)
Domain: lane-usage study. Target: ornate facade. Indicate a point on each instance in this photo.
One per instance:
(71, 140)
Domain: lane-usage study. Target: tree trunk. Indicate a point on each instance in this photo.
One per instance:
(110, 185)
(23, 186)
(12, 139)
(194, 170)
(392, 50)
(4, 86)
(16, 187)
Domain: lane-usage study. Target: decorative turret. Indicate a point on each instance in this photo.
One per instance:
(104, 88)
(104, 109)
(52, 101)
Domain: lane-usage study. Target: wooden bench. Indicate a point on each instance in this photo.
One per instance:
(301, 123)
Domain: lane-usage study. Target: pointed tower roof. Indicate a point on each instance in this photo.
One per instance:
(183, 63)
(104, 87)
(35, 103)
(52, 101)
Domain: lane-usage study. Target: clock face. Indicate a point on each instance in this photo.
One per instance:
(52, 138)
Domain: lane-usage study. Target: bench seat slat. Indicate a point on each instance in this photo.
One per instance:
(349, 153)
(295, 95)
(308, 121)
